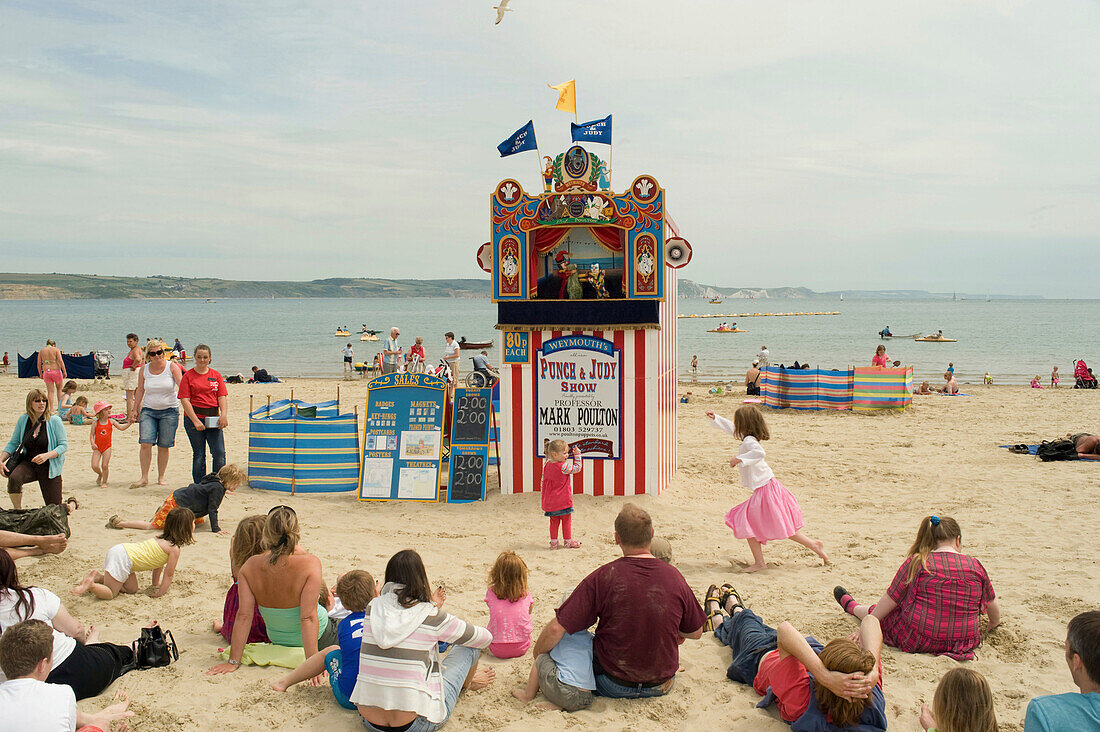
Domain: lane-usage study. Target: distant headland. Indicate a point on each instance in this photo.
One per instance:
(55, 286)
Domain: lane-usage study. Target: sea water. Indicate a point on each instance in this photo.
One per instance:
(1011, 339)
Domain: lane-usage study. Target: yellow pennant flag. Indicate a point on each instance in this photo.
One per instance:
(567, 96)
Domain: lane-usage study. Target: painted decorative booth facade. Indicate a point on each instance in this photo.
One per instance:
(585, 285)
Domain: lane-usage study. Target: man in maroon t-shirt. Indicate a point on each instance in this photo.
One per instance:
(645, 610)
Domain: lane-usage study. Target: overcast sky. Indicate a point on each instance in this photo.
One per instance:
(940, 145)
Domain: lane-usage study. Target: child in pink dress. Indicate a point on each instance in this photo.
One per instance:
(557, 491)
(509, 607)
(772, 512)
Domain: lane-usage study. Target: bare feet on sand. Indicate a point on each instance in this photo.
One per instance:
(52, 544)
(92, 636)
(521, 694)
(139, 483)
(218, 625)
(818, 548)
(754, 567)
(482, 678)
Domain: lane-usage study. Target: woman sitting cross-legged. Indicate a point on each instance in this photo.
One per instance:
(833, 687)
(938, 595)
(285, 583)
(402, 683)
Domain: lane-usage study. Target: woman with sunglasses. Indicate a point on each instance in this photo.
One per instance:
(40, 439)
(159, 408)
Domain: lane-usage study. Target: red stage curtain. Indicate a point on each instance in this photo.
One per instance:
(610, 236)
(544, 239)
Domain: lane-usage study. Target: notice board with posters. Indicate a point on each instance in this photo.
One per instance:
(579, 396)
(402, 438)
(470, 417)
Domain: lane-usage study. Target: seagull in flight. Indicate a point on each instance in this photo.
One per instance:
(501, 10)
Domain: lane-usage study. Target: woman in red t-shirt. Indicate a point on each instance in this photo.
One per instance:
(839, 684)
(206, 413)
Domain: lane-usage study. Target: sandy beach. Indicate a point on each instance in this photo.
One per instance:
(863, 483)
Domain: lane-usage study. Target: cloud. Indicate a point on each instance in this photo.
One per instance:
(312, 139)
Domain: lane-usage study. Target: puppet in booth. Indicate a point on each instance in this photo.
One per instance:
(596, 279)
(570, 282)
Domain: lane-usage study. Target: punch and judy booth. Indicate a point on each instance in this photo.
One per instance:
(585, 284)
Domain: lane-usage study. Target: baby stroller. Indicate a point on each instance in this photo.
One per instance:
(102, 364)
(1083, 376)
(443, 371)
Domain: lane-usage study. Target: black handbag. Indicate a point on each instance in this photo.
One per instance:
(156, 647)
(16, 457)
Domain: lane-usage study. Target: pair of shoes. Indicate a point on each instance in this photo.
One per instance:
(572, 544)
(114, 522)
(554, 544)
(1020, 449)
(839, 593)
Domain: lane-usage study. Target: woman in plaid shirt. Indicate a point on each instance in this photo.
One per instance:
(937, 596)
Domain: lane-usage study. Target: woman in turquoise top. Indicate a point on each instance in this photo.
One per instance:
(43, 438)
(284, 582)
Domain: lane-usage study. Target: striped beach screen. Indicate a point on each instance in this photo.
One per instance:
(302, 447)
(879, 388)
(807, 388)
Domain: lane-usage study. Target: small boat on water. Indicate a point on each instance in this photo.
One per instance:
(466, 345)
(715, 301)
(884, 336)
(368, 336)
(342, 333)
(726, 330)
(936, 339)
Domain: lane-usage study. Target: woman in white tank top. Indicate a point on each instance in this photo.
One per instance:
(157, 404)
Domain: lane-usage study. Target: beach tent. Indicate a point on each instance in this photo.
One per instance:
(302, 447)
(76, 367)
(879, 388)
(807, 388)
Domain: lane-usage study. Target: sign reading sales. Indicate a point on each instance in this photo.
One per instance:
(578, 388)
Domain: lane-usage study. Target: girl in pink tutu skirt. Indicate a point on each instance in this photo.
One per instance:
(772, 512)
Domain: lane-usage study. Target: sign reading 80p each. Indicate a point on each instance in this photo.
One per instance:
(578, 385)
(517, 347)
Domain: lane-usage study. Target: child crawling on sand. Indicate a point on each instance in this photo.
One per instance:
(124, 561)
(203, 499)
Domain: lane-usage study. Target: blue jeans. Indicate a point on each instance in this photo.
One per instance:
(750, 640)
(615, 690)
(158, 426)
(199, 439)
(333, 661)
(456, 667)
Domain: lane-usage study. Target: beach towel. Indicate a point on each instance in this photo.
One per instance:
(1034, 450)
(268, 654)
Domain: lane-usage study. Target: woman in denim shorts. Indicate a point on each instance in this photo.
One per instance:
(159, 407)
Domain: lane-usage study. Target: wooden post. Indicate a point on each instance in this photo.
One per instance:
(250, 410)
(496, 440)
(337, 398)
(294, 416)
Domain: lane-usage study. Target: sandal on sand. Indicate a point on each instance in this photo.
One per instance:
(728, 591)
(75, 503)
(1020, 449)
(572, 544)
(114, 522)
(712, 596)
(554, 544)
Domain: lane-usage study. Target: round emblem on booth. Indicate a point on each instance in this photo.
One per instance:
(644, 188)
(576, 207)
(576, 163)
(509, 192)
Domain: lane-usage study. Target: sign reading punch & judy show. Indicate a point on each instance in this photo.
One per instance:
(578, 395)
